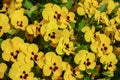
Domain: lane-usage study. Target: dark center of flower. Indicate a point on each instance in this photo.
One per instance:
(20, 23)
(12, 54)
(24, 76)
(0, 27)
(17, 51)
(66, 46)
(55, 68)
(58, 16)
(52, 35)
(88, 63)
(35, 57)
(68, 18)
(74, 72)
(15, 55)
(54, 64)
(38, 29)
(50, 67)
(110, 65)
(105, 48)
(32, 53)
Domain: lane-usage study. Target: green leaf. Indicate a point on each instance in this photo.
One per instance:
(41, 8)
(72, 24)
(81, 24)
(85, 47)
(92, 71)
(77, 49)
(103, 7)
(12, 31)
(27, 4)
(21, 34)
(115, 9)
(1, 40)
(28, 12)
(87, 78)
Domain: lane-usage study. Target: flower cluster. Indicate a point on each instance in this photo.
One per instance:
(63, 40)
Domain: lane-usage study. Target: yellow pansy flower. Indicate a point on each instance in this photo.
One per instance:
(53, 35)
(68, 75)
(48, 27)
(109, 61)
(34, 29)
(19, 20)
(21, 72)
(102, 45)
(101, 17)
(61, 15)
(51, 12)
(72, 74)
(85, 60)
(11, 49)
(3, 68)
(69, 16)
(65, 46)
(87, 7)
(32, 55)
(52, 65)
(4, 24)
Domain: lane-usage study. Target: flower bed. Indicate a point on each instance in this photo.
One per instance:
(59, 39)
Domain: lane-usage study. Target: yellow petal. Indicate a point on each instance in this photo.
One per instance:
(3, 18)
(59, 48)
(46, 70)
(33, 48)
(81, 11)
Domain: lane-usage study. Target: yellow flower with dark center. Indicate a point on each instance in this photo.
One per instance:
(4, 24)
(32, 55)
(109, 61)
(48, 27)
(3, 68)
(85, 60)
(19, 20)
(101, 17)
(102, 45)
(61, 15)
(51, 12)
(53, 65)
(21, 72)
(53, 35)
(69, 16)
(34, 29)
(65, 46)
(72, 74)
(87, 7)
(11, 49)
(68, 75)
